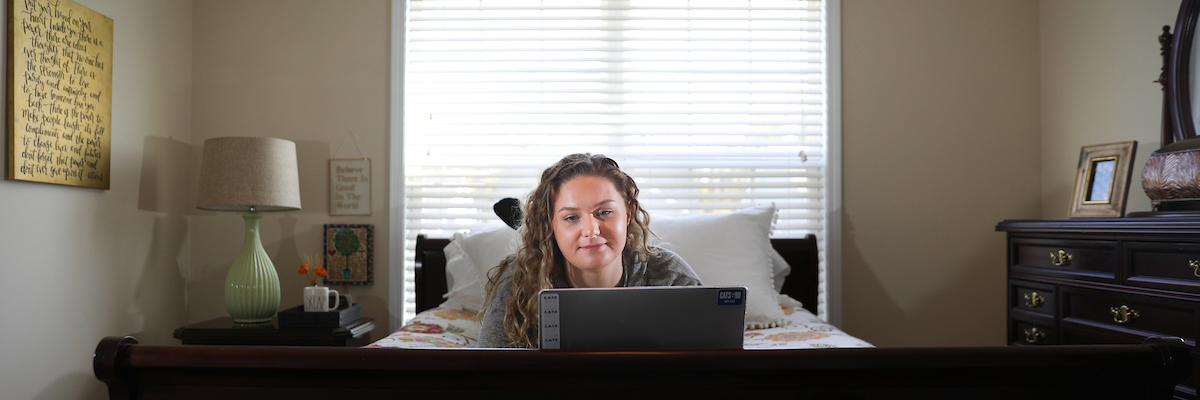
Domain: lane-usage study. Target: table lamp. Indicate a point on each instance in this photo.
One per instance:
(250, 174)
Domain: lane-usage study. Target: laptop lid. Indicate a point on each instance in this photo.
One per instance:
(643, 318)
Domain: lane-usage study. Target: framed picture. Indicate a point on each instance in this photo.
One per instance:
(350, 186)
(1102, 182)
(348, 254)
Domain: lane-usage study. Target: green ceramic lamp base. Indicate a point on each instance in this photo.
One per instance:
(252, 285)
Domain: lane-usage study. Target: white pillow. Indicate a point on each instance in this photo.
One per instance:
(469, 258)
(779, 269)
(730, 249)
(723, 249)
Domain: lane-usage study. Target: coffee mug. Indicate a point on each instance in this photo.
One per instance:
(316, 299)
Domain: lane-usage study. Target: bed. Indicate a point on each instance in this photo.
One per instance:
(780, 273)
(440, 365)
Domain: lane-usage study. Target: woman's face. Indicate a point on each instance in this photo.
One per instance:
(590, 220)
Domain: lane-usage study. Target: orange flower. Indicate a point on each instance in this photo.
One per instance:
(309, 272)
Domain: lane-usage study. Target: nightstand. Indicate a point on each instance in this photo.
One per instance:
(223, 331)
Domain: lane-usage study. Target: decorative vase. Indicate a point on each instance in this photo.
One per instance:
(1171, 177)
(252, 286)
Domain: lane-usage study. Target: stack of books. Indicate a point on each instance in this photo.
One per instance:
(346, 316)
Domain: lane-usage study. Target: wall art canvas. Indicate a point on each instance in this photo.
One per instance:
(60, 63)
(349, 254)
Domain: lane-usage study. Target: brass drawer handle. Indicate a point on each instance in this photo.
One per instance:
(1124, 314)
(1195, 265)
(1034, 336)
(1034, 300)
(1061, 258)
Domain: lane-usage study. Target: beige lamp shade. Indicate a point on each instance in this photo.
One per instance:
(237, 173)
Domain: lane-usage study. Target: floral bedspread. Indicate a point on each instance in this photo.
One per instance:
(802, 331)
(445, 328)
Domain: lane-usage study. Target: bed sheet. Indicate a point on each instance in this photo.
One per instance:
(448, 328)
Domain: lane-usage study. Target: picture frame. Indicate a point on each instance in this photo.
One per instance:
(350, 186)
(348, 252)
(1102, 180)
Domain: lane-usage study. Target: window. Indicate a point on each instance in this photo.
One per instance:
(711, 105)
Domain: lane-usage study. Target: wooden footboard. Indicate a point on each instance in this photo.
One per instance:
(1146, 371)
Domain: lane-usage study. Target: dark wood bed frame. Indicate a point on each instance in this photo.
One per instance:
(1147, 371)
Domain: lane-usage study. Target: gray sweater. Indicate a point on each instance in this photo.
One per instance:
(663, 269)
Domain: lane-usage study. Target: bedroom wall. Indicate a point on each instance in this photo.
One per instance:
(81, 264)
(942, 113)
(1099, 63)
(956, 115)
(308, 71)
(940, 142)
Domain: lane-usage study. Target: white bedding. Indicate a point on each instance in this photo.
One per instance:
(447, 328)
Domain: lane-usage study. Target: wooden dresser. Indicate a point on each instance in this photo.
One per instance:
(1095, 281)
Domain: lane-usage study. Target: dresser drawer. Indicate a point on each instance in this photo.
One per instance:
(1032, 333)
(1129, 314)
(1033, 297)
(1086, 259)
(1146, 269)
(1170, 266)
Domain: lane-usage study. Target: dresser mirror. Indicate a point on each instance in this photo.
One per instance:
(1171, 177)
(1179, 67)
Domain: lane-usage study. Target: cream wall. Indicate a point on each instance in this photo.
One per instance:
(956, 115)
(308, 71)
(1099, 61)
(940, 142)
(81, 264)
(951, 112)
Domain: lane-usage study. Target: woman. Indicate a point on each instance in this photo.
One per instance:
(582, 228)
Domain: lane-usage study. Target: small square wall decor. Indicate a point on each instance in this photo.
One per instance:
(348, 254)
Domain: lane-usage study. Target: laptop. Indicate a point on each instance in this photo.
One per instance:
(643, 318)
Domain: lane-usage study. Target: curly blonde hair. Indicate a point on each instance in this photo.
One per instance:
(539, 259)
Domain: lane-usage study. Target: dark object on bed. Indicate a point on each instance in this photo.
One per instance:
(509, 211)
(800, 254)
(1146, 371)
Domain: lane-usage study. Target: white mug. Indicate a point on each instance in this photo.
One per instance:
(316, 299)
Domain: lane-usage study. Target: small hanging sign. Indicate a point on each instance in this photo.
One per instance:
(348, 256)
(350, 186)
(349, 182)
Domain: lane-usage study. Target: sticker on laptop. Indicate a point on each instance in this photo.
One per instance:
(549, 321)
(731, 297)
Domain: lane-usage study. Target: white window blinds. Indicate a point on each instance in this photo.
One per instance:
(711, 105)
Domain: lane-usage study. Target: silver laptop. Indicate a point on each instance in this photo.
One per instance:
(643, 318)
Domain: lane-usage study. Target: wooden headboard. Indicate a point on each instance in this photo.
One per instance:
(800, 254)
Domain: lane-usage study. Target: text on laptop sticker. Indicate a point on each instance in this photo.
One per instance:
(731, 297)
(549, 321)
